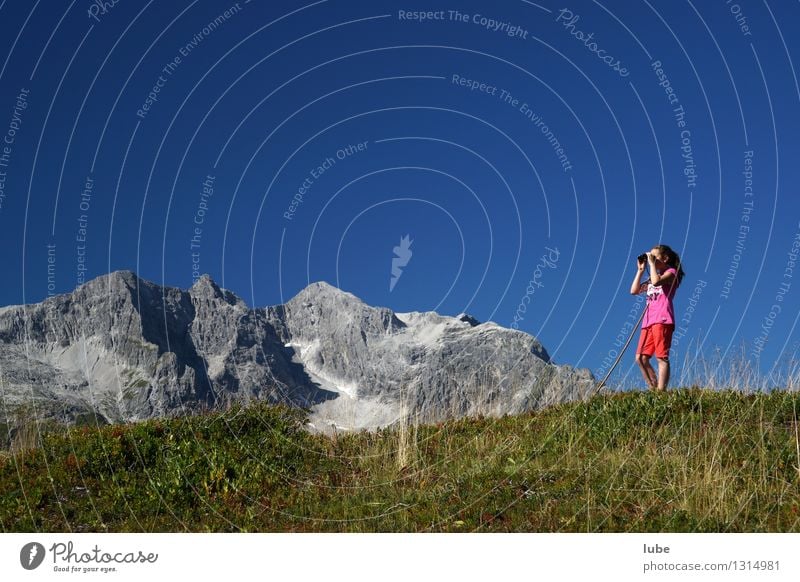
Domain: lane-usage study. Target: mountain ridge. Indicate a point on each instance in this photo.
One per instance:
(129, 349)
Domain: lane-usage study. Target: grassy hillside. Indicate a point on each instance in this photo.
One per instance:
(687, 460)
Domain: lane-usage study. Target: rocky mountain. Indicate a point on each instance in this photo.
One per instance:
(127, 349)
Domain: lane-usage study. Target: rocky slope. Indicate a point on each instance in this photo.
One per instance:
(129, 349)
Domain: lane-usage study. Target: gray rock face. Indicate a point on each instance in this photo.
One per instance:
(129, 349)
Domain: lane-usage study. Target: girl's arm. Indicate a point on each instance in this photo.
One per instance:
(637, 286)
(657, 279)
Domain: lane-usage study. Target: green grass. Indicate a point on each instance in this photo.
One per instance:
(688, 460)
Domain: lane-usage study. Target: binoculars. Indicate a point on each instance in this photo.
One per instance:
(642, 257)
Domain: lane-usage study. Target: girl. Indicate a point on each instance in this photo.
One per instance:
(658, 322)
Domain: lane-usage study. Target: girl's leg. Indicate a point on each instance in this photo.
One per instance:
(663, 374)
(647, 370)
(663, 342)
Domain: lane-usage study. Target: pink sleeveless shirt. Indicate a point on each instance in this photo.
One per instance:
(659, 302)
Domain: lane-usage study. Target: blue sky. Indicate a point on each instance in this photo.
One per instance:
(529, 151)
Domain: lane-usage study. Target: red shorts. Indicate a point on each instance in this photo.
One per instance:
(656, 338)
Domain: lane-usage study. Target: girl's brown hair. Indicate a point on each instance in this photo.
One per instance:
(673, 260)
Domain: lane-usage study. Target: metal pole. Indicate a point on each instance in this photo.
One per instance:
(635, 327)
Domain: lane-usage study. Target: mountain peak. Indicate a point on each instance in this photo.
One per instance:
(323, 285)
(123, 274)
(323, 290)
(206, 287)
(113, 280)
(204, 281)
